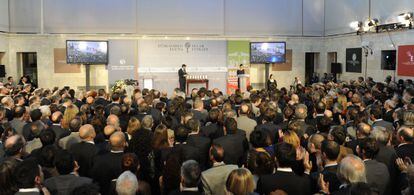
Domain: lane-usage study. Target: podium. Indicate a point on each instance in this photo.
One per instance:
(244, 81)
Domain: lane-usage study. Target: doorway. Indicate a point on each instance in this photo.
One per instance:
(311, 61)
(28, 61)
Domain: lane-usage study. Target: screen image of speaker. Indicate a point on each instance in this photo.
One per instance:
(388, 59)
(336, 68)
(2, 71)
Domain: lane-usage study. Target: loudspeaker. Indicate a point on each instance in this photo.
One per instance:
(336, 68)
(2, 71)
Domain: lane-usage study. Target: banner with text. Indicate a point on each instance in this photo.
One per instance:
(238, 52)
(406, 60)
(168, 54)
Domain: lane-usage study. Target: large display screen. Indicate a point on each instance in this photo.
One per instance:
(267, 52)
(86, 52)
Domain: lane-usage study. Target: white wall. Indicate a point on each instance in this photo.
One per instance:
(91, 16)
(4, 15)
(380, 42)
(25, 16)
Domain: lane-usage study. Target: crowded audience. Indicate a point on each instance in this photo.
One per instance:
(328, 137)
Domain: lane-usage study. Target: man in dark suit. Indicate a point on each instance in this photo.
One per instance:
(190, 179)
(68, 178)
(377, 173)
(405, 137)
(268, 126)
(212, 129)
(330, 152)
(182, 77)
(35, 115)
(107, 166)
(199, 112)
(116, 101)
(28, 176)
(284, 178)
(85, 151)
(198, 141)
(181, 146)
(101, 98)
(56, 127)
(376, 116)
(233, 142)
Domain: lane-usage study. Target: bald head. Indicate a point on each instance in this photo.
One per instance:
(295, 98)
(112, 120)
(352, 170)
(364, 130)
(117, 141)
(14, 145)
(405, 134)
(87, 132)
(301, 111)
(244, 109)
(56, 117)
(109, 130)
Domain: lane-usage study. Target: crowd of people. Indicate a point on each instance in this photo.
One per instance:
(351, 137)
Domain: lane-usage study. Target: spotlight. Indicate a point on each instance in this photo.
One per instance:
(405, 19)
(356, 25)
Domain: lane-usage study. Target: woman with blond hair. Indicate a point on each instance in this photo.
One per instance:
(70, 112)
(240, 182)
(133, 125)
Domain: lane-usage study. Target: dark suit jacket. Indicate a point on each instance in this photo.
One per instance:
(212, 130)
(201, 116)
(181, 75)
(329, 175)
(59, 131)
(377, 175)
(65, 184)
(235, 148)
(203, 146)
(106, 167)
(184, 193)
(100, 101)
(188, 152)
(109, 107)
(286, 181)
(405, 150)
(84, 153)
(387, 155)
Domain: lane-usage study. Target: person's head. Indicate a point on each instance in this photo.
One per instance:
(367, 148)
(363, 130)
(35, 114)
(116, 97)
(337, 134)
(301, 111)
(315, 141)
(117, 141)
(351, 170)
(405, 135)
(7, 184)
(190, 174)
(181, 134)
(65, 163)
(113, 120)
(285, 155)
(130, 162)
(109, 130)
(260, 163)
(10, 79)
(241, 66)
(230, 126)
(376, 113)
(260, 139)
(87, 132)
(244, 109)
(330, 150)
(133, 125)
(47, 137)
(56, 117)
(216, 153)
(214, 115)
(292, 138)
(320, 107)
(240, 182)
(183, 66)
(14, 146)
(127, 184)
(198, 104)
(381, 135)
(147, 122)
(75, 124)
(194, 125)
(28, 174)
(271, 76)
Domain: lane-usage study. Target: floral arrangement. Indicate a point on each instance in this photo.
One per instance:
(123, 84)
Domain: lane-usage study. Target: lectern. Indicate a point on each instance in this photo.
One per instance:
(244, 80)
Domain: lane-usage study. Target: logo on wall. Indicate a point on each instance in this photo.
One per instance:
(187, 47)
(406, 60)
(353, 60)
